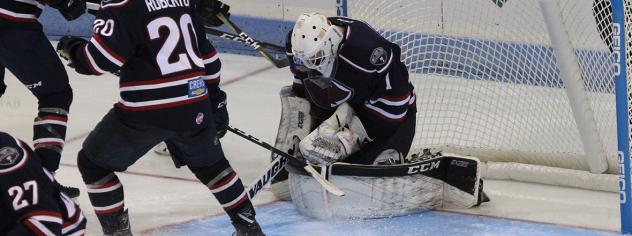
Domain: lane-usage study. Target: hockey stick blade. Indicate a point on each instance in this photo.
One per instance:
(320, 179)
(237, 38)
(279, 63)
(270, 172)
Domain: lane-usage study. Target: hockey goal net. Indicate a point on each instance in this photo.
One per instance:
(530, 82)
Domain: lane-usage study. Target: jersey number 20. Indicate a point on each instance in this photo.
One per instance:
(173, 39)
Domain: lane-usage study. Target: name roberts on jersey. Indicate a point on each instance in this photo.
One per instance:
(155, 5)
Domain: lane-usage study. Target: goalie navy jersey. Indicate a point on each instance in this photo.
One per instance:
(368, 75)
(30, 200)
(167, 66)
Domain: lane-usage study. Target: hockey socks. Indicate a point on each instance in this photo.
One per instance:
(228, 189)
(106, 196)
(49, 127)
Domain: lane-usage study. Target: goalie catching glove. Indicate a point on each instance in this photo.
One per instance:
(338, 137)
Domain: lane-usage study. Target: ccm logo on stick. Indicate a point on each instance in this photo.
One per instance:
(423, 167)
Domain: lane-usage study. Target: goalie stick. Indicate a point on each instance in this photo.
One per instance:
(279, 63)
(320, 179)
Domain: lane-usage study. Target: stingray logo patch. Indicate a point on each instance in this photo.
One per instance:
(378, 56)
(9, 156)
(196, 87)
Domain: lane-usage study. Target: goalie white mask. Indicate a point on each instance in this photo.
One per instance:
(315, 42)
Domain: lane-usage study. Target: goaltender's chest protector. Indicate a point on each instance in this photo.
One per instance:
(364, 60)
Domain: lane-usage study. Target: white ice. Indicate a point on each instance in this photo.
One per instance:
(158, 195)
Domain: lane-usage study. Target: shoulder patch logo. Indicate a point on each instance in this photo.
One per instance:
(9, 156)
(378, 56)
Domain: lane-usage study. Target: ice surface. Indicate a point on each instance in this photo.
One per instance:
(282, 218)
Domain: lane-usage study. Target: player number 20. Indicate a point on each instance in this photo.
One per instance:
(173, 39)
(18, 194)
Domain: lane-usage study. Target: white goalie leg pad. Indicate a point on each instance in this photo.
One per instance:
(338, 137)
(295, 121)
(161, 149)
(294, 125)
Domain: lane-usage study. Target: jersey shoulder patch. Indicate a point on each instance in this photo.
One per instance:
(12, 157)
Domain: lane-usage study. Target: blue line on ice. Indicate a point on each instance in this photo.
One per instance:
(282, 218)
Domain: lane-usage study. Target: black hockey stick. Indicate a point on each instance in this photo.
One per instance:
(322, 181)
(279, 63)
(255, 43)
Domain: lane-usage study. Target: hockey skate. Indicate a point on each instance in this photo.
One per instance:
(115, 224)
(246, 229)
(71, 192)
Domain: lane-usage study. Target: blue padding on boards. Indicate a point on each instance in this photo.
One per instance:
(282, 218)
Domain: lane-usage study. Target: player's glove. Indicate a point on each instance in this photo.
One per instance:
(220, 112)
(67, 45)
(207, 11)
(70, 9)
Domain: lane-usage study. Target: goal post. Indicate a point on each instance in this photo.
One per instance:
(531, 87)
(623, 100)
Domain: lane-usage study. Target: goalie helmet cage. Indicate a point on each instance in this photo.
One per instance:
(531, 87)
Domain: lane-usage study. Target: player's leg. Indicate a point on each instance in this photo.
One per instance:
(112, 147)
(30, 57)
(210, 166)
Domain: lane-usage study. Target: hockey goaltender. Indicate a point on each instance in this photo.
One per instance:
(351, 112)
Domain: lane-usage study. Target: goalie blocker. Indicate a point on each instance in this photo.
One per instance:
(375, 191)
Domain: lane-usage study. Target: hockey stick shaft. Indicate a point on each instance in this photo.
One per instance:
(269, 173)
(237, 38)
(320, 179)
(279, 63)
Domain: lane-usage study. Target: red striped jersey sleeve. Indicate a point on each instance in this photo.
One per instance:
(111, 43)
(212, 63)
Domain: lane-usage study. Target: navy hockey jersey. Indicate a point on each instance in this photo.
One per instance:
(20, 11)
(30, 200)
(167, 66)
(368, 75)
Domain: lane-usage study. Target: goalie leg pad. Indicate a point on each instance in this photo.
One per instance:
(294, 125)
(295, 121)
(338, 137)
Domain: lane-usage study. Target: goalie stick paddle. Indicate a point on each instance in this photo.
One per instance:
(279, 63)
(320, 179)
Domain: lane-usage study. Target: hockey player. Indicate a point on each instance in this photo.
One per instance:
(31, 201)
(27, 53)
(343, 65)
(361, 102)
(169, 76)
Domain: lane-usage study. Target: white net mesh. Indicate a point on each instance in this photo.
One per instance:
(488, 81)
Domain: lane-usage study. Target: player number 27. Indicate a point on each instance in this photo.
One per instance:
(17, 193)
(173, 39)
